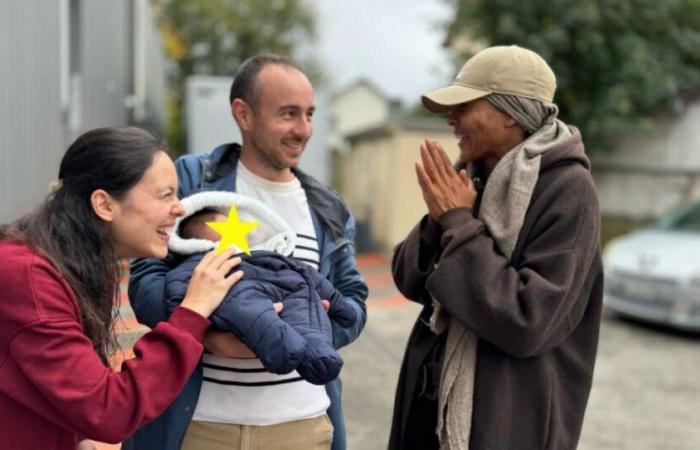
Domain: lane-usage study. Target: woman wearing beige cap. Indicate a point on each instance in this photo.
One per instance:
(507, 266)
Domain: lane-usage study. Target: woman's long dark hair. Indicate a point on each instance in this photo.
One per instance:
(66, 230)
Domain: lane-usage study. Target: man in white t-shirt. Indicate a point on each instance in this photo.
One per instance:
(232, 402)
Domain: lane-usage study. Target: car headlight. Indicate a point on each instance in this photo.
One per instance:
(609, 251)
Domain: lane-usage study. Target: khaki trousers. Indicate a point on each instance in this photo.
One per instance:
(307, 434)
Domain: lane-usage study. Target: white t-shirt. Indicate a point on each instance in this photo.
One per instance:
(241, 391)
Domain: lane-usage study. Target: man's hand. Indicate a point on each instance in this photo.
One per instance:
(227, 345)
(443, 188)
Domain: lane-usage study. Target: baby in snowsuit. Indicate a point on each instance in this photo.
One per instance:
(300, 337)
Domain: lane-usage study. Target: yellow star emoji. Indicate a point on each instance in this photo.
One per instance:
(233, 231)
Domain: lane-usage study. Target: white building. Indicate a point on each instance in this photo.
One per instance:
(650, 174)
(358, 107)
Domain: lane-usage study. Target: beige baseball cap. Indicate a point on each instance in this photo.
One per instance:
(502, 69)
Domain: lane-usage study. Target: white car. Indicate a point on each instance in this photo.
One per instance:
(654, 274)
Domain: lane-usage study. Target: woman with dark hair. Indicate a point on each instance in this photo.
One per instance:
(116, 198)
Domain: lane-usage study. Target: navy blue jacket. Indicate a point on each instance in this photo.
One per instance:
(300, 337)
(335, 229)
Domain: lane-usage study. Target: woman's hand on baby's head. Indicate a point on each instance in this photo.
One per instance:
(211, 280)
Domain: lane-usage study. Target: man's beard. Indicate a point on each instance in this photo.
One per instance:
(271, 158)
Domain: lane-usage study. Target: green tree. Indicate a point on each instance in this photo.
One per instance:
(617, 61)
(213, 37)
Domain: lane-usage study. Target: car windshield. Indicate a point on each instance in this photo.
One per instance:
(687, 219)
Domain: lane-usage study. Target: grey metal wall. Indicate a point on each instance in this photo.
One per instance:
(106, 26)
(34, 130)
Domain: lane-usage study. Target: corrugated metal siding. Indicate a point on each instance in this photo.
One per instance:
(33, 131)
(106, 62)
(32, 136)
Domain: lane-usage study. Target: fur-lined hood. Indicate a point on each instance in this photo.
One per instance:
(273, 234)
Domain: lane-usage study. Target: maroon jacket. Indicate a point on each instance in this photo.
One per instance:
(536, 316)
(54, 389)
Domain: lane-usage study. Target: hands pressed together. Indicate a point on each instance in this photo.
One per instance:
(443, 188)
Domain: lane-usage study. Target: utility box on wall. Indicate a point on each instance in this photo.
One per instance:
(208, 114)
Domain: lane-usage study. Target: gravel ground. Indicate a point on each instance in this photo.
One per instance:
(646, 389)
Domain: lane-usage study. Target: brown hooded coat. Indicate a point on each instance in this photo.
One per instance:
(536, 316)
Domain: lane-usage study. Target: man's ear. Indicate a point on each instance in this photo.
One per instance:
(242, 114)
(103, 204)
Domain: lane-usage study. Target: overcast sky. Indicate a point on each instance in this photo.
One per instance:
(394, 43)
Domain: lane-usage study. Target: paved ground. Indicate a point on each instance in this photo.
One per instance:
(645, 396)
(646, 389)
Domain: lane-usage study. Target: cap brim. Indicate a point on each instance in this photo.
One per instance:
(444, 99)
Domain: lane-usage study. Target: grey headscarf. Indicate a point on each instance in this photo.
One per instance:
(530, 114)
